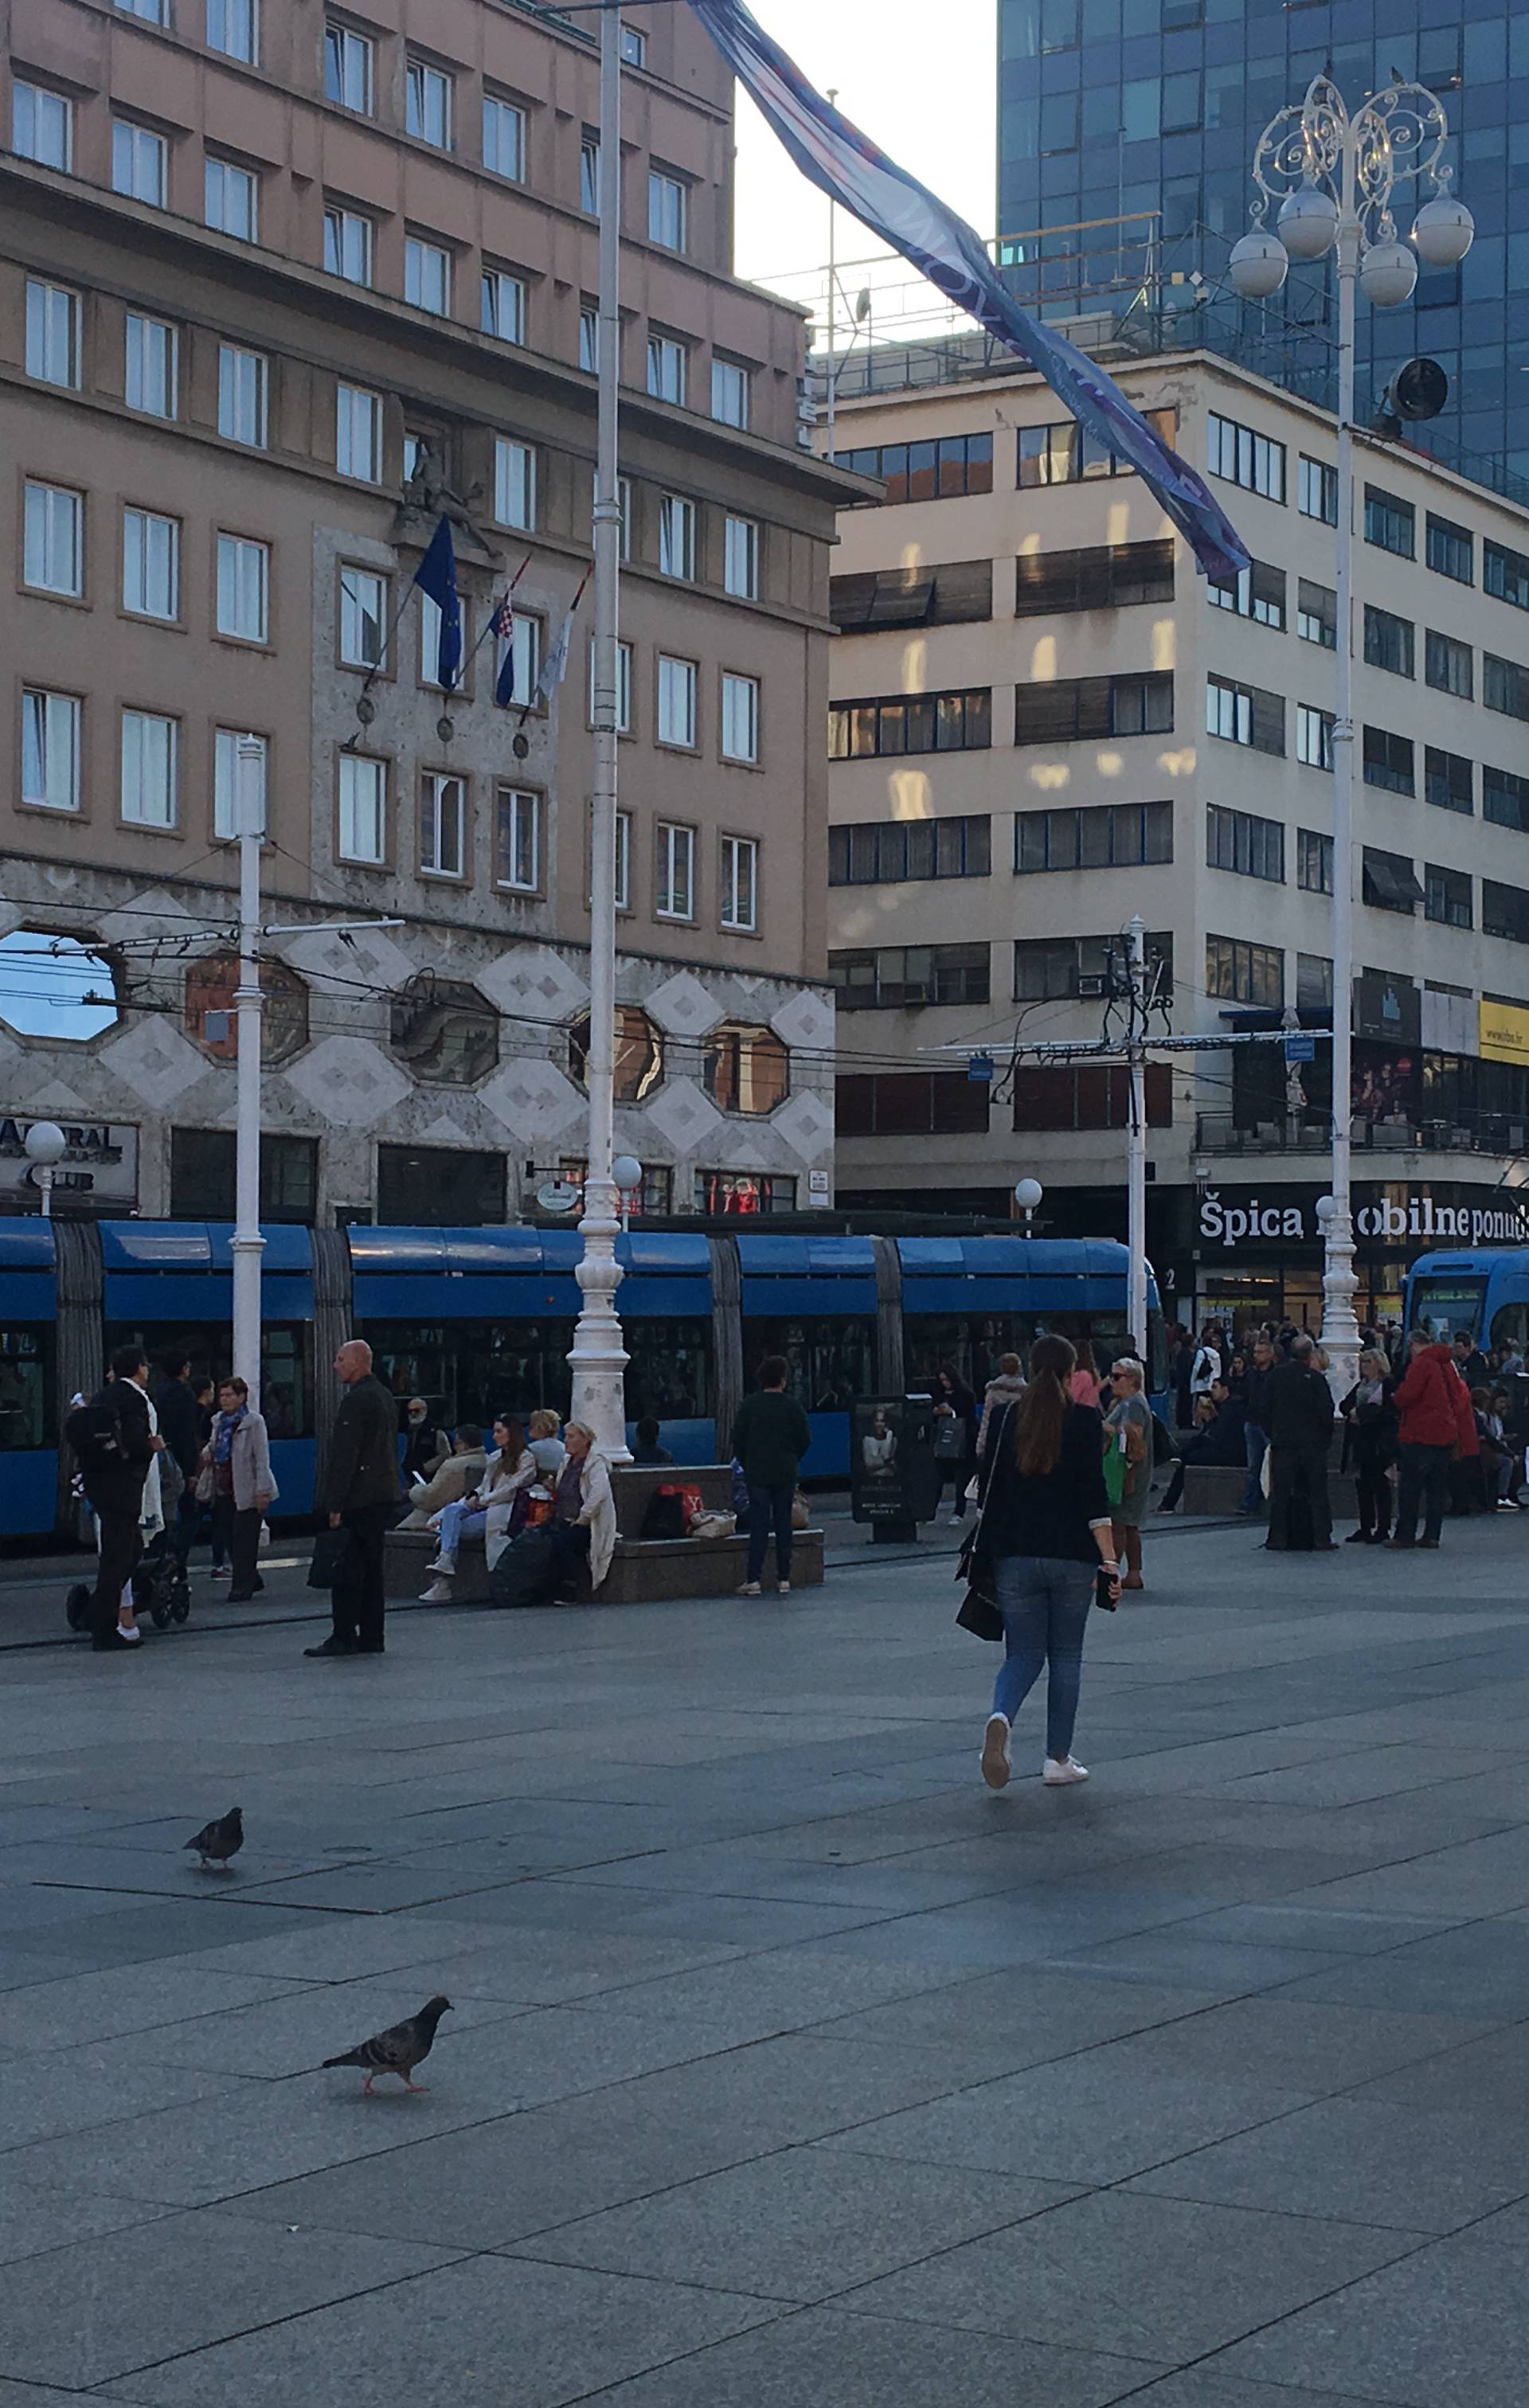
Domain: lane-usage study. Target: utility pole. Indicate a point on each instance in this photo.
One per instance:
(1135, 1158)
(833, 301)
(247, 1246)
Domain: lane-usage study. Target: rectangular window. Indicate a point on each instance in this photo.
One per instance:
(244, 569)
(427, 103)
(232, 28)
(624, 503)
(150, 565)
(740, 717)
(1317, 491)
(623, 687)
(503, 305)
(1313, 861)
(740, 557)
(150, 748)
(53, 549)
(1447, 897)
(52, 333)
(1313, 981)
(1505, 686)
(925, 472)
(348, 244)
(1099, 836)
(1101, 577)
(524, 642)
(1243, 842)
(740, 883)
(350, 68)
(589, 175)
(1450, 550)
(364, 618)
(1066, 708)
(589, 342)
(1316, 614)
(364, 806)
(923, 722)
(674, 896)
(504, 138)
(871, 852)
(1236, 971)
(358, 433)
(1053, 970)
(887, 978)
(1245, 457)
(1505, 798)
(634, 46)
(1388, 641)
(1448, 780)
(668, 367)
(720, 1192)
(676, 701)
(676, 536)
(954, 593)
(138, 161)
(516, 840)
(233, 200)
(1506, 574)
(729, 393)
(1388, 761)
(1447, 664)
(667, 208)
(623, 861)
(1388, 882)
(1390, 522)
(1313, 737)
(1244, 714)
(885, 1103)
(42, 124)
(241, 396)
(514, 483)
(1059, 454)
(51, 750)
(443, 825)
(151, 367)
(226, 776)
(1505, 911)
(427, 276)
(152, 12)
(1256, 592)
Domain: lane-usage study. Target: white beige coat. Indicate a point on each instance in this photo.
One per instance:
(599, 1513)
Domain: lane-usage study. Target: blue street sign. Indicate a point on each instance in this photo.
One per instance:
(980, 1067)
(1300, 1049)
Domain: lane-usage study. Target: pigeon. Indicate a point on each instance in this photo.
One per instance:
(399, 2049)
(216, 1841)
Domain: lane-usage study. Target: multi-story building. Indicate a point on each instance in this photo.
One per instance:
(278, 287)
(1043, 721)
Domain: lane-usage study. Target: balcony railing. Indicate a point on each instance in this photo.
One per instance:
(1220, 1133)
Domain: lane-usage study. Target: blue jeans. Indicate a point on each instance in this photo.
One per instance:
(458, 1522)
(1256, 1442)
(770, 1508)
(1045, 1603)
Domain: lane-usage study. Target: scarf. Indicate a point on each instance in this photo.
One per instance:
(222, 1444)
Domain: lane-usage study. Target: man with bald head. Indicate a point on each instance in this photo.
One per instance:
(360, 1492)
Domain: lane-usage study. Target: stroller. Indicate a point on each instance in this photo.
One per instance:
(160, 1588)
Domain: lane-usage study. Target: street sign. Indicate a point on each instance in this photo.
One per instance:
(979, 1068)
(1301, 1048)
(559, 1196)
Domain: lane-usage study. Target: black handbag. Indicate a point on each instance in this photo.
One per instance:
(978, 1610)
(331, 1554)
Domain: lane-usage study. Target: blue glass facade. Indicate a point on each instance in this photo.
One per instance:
(1110, 106)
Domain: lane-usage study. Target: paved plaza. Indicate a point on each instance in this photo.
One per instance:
(788, 2067)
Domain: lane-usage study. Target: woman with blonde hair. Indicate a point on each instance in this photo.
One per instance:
(584, 1520)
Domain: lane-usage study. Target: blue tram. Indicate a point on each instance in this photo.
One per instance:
(1482, 1291)
(479, 1320)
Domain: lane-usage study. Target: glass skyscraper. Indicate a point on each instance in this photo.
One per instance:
(1134, 121)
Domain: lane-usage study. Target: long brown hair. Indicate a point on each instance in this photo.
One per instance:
(1044, 1407)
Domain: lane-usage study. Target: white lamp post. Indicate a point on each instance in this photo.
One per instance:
(1027, 1196)
(1335, 175)
(626, 1170)
(46, 1146)
(247, 1245)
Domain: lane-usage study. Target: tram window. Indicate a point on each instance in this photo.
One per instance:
(1445, 1306)
(286, 1364)
(474, 1371)
(832, 1362)
(415, 1359)
(668, 1372)
(1510, 1330)
(26, 1418)
(972, 1344)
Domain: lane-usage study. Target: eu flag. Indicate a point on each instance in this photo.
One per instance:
(437, 576)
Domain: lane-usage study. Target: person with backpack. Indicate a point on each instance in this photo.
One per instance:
(115, 1444)
(770, 1436)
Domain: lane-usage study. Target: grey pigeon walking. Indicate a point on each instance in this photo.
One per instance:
(399, 2049)
(215, 1842)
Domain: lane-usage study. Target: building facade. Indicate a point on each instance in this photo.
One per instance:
(280, 288)
(1043, 721)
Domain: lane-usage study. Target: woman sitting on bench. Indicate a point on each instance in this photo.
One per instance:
(486, 1512)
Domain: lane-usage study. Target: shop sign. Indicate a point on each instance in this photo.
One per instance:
(99, 1159)
(1504, 1032)
(1416, 1216)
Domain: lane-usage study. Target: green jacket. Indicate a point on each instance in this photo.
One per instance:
(770, 1437)
(362, 1467)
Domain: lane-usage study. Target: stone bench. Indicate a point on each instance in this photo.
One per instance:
(1213, 1487)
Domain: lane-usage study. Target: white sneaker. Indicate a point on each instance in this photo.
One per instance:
(783, 1588)
(440, 1593)
(749, 1588)
(1060, 1776)
(132, 1635)
(996, 1766)
(445, 1564)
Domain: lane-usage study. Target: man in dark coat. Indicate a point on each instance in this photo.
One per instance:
(179, 1427)
(1299, 1405)
(360, 1493)
(115, 1493)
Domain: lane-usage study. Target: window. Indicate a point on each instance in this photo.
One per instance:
(667, 201)
(623, 687)
(739, 862)
(1256, 592)
(443, 1029)
(1317, 491)
(1102, 576)
(203, 1186)
(1450, 550)
(634, 46)
(241, 396)
(740, 717)
(427, 103)
(623, 861)
(740, 557)
(1313, 981)
(427, 276)
(924, 472)
(668, 365)
(244, 569)
(42, 124)
(436, 1185)
(1316, 614)
(1388, 641)
(1388, 761)
(149, 746)
(504, 138)
(676, 536)
(589, 341)
(1446, 665)
(1390, 523)
(589, 175)
(1238, 973)
(746, 1070)
(226, 776)
(514, 483)
(624, 503)
(1245, 457)
(348, 244)
(443, 825)
(233, 200)
(52, 333)
(1060, 454)
(503, 305)
(1313, 737)
(905, 1103)
(924, 722)
(153, 12)
(673, 896)
(1070, 707)
(1505, 911)
(516, 840)
(364, 805)
(721, 1193)
(956, 592)
(1387, 881)
(524, 642)
(358, 433)
(1447, 897)
(150, 565)
(1051, 970)
(1447, 782)
(51, 750)
(871, 852)
(676, 701)
(729, 393)
(1101, 835)
(232, 28)
(1506, 574)
(1505, 798)
(1505, 686)
(152, 365)
(350, 68)
(53, 547)
(138, 161)
(639, 1053)
(364, 618)
(1313, 861)
(1244, 714)
(895, 977)
(1241, 842)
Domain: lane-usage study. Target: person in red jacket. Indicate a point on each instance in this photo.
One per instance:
(1434, 1414)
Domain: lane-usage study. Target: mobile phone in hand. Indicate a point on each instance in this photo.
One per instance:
(1103, 1590)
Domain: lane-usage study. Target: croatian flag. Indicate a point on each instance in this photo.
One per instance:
(843, 163)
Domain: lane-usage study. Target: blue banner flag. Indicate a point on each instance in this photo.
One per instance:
(437, 576)
(843, 163)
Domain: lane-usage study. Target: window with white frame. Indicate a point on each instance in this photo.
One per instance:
(227, 774)
(350, 68)
(740, 557)
(676, 536)
(443, 825)
(589, 341)
(427, 103)
(52, 333)
(729, 393)
(668, 367)
(364, 618)
(244, 572)
(1313, 737)
(504, 138)
(150, 565)
(348, 244)
(233, 200)
(740, 883)
(232, 28)
(623, 687)
(153, 12)
(50, 725)
(241, 396)
(740, 717)
(624, 503)
(53, 542)
(674, 896)
(676, 701)
(524, 643)
(634, 46)
(427, 276)
(514, 483)
(667, 201)
(138, 161)
(589, 175)
(151, 746)
(516, 840)
(42, 124)
(363, 809)
(503, 305)
(151, 367)
(358, 433)
(623, 861)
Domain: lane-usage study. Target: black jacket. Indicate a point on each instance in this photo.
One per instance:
(1046, 1514)
(179, 1425)
(1225, 1441)
(120, 1490)
(1370, 1440)
(1299, 1405)
(1256, 1389)
(362, 1467)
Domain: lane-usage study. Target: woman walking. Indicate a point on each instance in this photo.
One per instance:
(1128, 1428)
(238, 1455)
(1369, 1440)
(1046, 1524)
(955, 1437)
